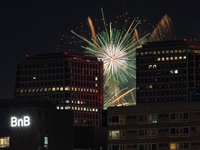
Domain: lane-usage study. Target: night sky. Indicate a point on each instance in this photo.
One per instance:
(35, 27)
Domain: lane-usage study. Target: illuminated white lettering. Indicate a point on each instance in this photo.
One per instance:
(20, 122)
(13, 121)
(26, 121)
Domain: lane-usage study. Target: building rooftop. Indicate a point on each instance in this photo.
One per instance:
(59, 55)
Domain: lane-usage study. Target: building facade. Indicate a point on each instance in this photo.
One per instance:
(168, 71)
(158, 126)
(35, 124)
(74, 81)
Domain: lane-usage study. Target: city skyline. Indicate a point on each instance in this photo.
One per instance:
(34, 28)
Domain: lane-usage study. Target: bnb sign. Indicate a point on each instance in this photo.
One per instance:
(20, 122)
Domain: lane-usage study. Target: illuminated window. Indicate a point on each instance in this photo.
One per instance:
(175, 58)
(84, 109)
(41, 90)
(33, 90)
(96, 91)
(184, 57)
(184, 51)
(75, 89)
(180, 51)
(152, 133)
(153, 118)
(78, 89)
(81, 102)
(34, 78)
(175, 51)
(72, 88)
(90, 109)
(150, 86)
(53, 89)
(61, 107)
(150, 66)
(72, 107)
(78, 108)
(158, 59)
(167, 52)
(158, 52)
(174, 146)
(21, 91)
(163, 58)
(87, 90)
(154, 53)
(141, 53)
(45, 89)
(163, 52)
(67, 101)
(75, 108)
(91, 90)
(78, 102)
(175, 71)
(46, 142)
(87, 109)
(146, 53)
(171, 51)
(154, 66)
(49, 89)
(57, 89)
(29, 90)
(67, 107)
(96, 78)
(167, 58)
(67, 88)
(171, 58)
(81, 108)
(61, 88)
(81, 89)
(57, 107)
(4, 142)
(96, 85)
(180, 57)
(114, 134)
(96, 110)
(137, 54)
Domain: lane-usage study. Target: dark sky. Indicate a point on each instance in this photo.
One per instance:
(34, 27)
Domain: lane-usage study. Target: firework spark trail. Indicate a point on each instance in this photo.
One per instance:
(120, 97)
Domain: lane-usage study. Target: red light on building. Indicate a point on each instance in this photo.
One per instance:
(184, 40)
(66, 53)
(144, 43)
(29, 55)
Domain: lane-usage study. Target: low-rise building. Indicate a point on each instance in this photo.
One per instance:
(158, 126)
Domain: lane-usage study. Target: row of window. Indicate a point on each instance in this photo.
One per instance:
(58, 64)
(161, 99)
(77, 108)
(149, 118)
(86, 122)
(150, 133)
(58, 71)
(161, 52)
(56, 89)
(56, 83)
(183, 145)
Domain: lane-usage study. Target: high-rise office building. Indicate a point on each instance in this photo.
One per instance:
(74, 81)
(168, 71)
